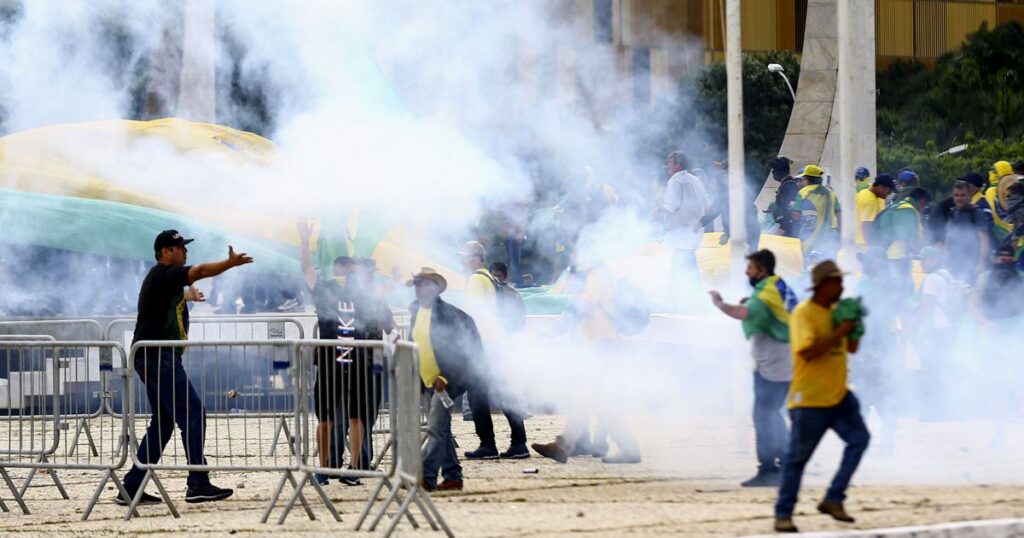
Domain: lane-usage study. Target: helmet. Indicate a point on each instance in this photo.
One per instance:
(862, 172)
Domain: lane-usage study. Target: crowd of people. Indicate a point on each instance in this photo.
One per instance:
(968, 246)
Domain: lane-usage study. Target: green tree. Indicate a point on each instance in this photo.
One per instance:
(698, 110)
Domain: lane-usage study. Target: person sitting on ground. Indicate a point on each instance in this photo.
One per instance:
(448, 342)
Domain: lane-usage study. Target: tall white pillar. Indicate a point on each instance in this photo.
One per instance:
(734, 106)
(855, 21)
(197, 95)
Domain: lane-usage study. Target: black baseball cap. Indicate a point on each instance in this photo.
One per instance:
(885, 180)
(974, 178)
(168, 239)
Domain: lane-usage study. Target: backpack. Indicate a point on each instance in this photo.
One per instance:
(881, 232)
(1000, 294)
(510, 304)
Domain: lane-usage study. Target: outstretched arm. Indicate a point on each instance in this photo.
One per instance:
(211, 269)
(735, 311)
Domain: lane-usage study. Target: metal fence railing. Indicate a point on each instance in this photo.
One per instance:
(44, 385)
(241, 397)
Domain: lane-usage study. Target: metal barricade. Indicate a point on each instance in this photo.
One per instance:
(43, 384)
(407, 472)
(230, 328)
(79, 330)
(70, 330)
(223, 396)
(343, 407)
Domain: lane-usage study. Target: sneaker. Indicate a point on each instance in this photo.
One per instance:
(785, 524)
(763, 480)
(482, 453)
(621, 458)
(450, 485)
(206, 493)
(321, 479)
(146, 499)
(427, 486)
(551, 450)
(516, 452)
(835, 510)
(350, 480)
(467, 417)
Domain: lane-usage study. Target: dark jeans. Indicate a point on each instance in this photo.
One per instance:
(514, 252)
(172, 400)
(439, 451)
(769, 427)
(480, 406)
(809, 426)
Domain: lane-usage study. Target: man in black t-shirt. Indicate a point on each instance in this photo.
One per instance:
(163, 315)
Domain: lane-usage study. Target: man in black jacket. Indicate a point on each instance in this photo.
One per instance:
(448, 340)
(784, 195)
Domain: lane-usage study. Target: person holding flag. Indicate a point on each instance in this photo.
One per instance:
(765, 317)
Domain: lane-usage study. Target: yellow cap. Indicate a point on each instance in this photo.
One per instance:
(811, 170)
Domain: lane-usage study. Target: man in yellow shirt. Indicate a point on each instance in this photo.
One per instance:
(448, 343)
(869, 203)
(482, 304)
(818, 397)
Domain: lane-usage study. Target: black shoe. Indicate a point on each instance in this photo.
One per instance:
(763, 480)
(146, 499)
(350, 480)
(207, 493)
(516, 452)
(483, 453)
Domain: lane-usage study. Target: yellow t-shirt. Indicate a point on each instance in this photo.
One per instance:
(481, 303)
(868, 207)
(429, 369)
(821, 381)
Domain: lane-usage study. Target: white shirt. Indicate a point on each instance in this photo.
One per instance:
(937, 285)
(687, 202)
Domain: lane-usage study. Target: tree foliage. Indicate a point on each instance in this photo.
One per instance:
(698, 110)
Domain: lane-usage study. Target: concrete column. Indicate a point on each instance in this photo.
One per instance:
(197, 96)
(734, 106)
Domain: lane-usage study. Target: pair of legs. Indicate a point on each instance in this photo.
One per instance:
(770, 429)
(809, 425)
(439, 452)
(480, 405)
(173, 400)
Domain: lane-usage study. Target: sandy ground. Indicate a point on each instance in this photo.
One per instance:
(687, 485)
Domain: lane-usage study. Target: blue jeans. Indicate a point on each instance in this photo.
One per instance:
(440, 450)
(809, 426)
(769, 427)
(172, 400)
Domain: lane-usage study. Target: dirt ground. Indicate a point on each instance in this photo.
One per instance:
(686, 485)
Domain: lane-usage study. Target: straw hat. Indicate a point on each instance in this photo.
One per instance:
(429, 273)
(824, 271)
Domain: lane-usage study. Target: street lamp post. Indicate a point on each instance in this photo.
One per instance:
(777, 68)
